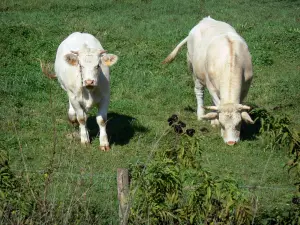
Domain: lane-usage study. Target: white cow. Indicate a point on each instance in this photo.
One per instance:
(82, 69)
(220, 60)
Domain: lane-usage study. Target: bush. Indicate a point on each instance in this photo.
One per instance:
(173, 188)
(276, 134)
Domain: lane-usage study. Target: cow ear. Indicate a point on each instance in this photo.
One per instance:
(109, 59)
(210, 116)
(246, 117)
(72, 59)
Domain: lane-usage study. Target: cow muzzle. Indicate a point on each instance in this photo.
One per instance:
(231, 143)
(90, 84)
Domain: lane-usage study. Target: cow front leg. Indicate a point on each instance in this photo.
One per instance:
(72, 114)
(101, 120)
(199, 90)
(216, 100)
(84, 134)
(81, 118)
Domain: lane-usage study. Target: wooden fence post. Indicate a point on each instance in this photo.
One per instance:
(123, 195)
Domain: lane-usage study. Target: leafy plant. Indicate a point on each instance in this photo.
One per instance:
(274, 130)
(294, 163)
(281, 217)
(175, 189)
(277, 133)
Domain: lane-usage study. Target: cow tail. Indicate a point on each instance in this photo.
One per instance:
(46, 68)
(173, 54)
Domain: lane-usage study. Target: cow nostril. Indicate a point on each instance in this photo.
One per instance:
(89, 82)
(231, 142)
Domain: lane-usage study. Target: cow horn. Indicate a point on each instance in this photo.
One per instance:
(211, 107)
(75, 52)
(102, 51)
(246, 117)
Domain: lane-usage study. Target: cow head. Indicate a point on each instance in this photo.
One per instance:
(90, 61)
(230, 117)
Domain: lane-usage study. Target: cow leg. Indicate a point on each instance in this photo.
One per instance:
(81, 118)
(189, 64)
(216, 100)
(199, 90)
(101, 120)
(84, 134)
(72, 114)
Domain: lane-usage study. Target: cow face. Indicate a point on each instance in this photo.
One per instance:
(90, 62)
(230, 118)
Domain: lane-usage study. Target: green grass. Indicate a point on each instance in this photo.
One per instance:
(33, 109)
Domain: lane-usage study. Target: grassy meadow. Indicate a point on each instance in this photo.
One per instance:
(144, 93)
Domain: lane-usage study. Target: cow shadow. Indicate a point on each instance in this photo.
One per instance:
(251, 131)
(120, 128)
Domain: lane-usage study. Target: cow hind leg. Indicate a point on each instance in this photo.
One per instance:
(189, 64)
(199, 92)
(101, 120)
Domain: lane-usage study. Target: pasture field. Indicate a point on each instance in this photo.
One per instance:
(144, 93)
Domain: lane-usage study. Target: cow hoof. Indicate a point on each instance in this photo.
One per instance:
(104, 148)
(73, 122)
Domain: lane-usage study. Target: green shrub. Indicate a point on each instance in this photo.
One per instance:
(274, 130)
(277, 134)
(173, 188)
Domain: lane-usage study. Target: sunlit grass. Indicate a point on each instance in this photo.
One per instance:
(144, 93)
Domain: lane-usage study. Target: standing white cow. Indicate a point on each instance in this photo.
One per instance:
(82, 69)
(220, 60)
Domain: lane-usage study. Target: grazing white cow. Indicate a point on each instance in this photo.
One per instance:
(220, 60)
(82, 69)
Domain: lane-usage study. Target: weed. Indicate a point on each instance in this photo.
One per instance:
(277, 134)
(175, 189)
(274, 130)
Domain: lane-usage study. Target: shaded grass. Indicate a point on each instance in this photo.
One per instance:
(142, 33)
